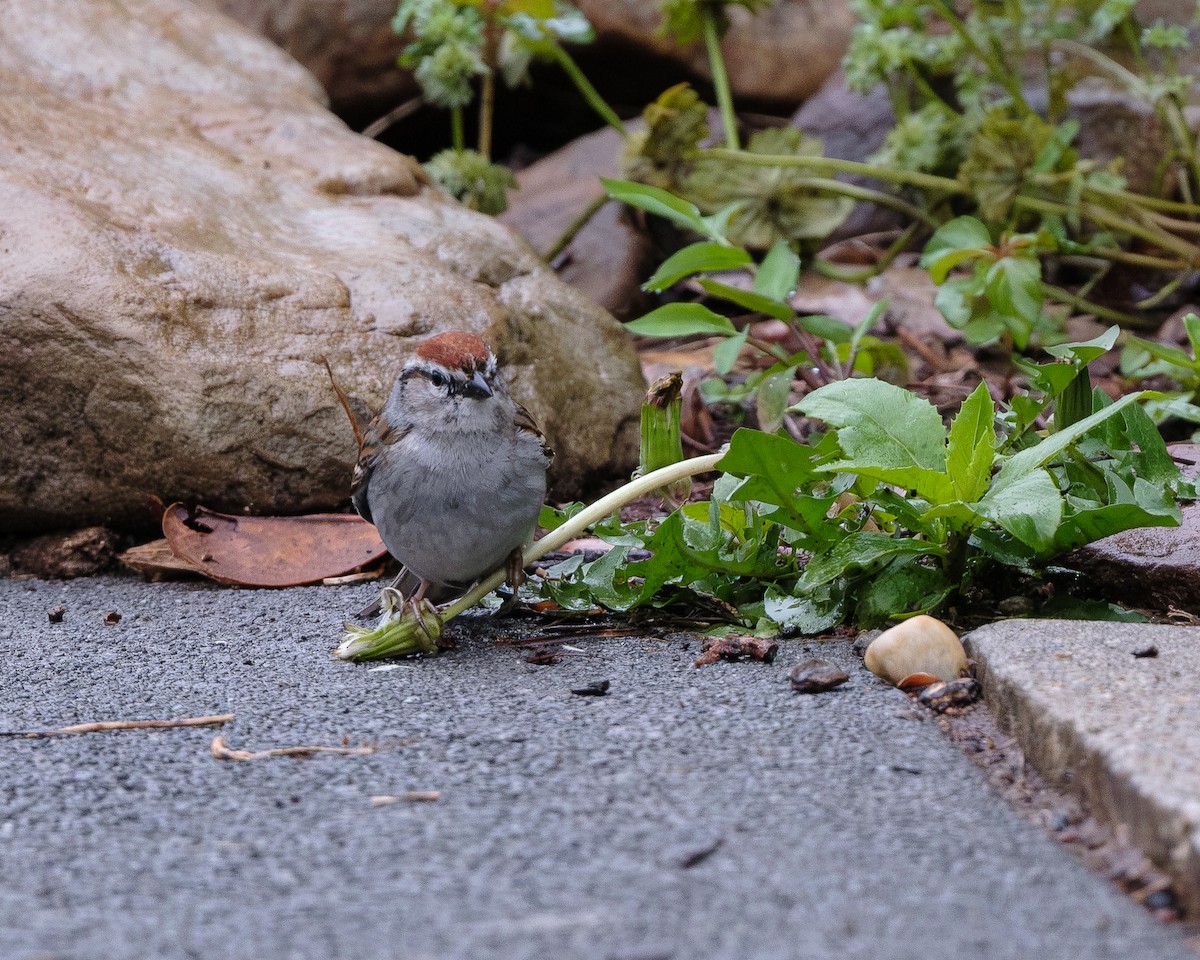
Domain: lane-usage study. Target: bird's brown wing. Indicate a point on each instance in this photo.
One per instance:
(379, 436)
(526, 424)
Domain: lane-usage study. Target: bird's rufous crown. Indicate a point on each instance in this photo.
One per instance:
(456, 351)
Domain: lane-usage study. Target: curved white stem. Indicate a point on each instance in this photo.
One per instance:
(585, 518)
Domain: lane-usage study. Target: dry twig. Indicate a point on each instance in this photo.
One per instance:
(222, 752)
(107, 725)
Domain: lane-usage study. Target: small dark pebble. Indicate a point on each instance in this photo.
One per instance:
(597, 689)
(1161, 900)
(1150, 651)
(693, 858)
(816, 676)
(56, 615)
(112, 617)
(863, 640)
(957, 693)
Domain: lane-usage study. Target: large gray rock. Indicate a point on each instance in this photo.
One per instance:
(185, 232)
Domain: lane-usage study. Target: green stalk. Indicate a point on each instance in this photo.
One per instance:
(720, 79)
(573, 228)
(405, 635)
(487, 109)
(487, 98)
(457, 136)
(661, 434)
(589, 92)
(832, 165)
(1106, 218)
(827, 268)
(856, 192)
(1087, 306)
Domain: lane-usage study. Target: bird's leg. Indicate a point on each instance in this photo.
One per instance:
(422, 607)
(514, 568)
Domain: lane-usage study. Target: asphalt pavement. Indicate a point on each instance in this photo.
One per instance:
(689, 814)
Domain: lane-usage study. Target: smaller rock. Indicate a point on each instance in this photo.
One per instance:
(58, 556)
(920, 645)
(816, 676)
(597, 689)
(957, 693)
(112, 618)
(1142, 652)
(56, 615)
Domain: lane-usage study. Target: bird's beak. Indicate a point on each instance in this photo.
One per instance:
(477, 388)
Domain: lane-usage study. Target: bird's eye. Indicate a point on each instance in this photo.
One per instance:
(437, 378)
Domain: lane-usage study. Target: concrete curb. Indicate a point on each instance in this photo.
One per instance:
(1121, 730)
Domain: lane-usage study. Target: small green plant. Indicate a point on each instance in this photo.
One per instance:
(456, 45)
(832, 350)
(1147, 359)
(1001, 295)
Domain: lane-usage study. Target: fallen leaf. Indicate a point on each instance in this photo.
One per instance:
(156, 560)
(270, 551)
(916, 681)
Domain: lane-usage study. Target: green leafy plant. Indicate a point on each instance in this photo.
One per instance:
(896, 513)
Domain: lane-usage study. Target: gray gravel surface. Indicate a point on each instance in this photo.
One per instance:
(690, 814)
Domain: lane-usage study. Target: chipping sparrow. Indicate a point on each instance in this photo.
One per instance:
(452, 471)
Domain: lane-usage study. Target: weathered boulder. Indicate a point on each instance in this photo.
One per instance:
(779, 56)
(185, 232)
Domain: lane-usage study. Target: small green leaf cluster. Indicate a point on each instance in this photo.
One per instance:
(472, 179)
(1001, 293)
(448, 41)
(445, 50)
(684, 20)
(890, 512)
